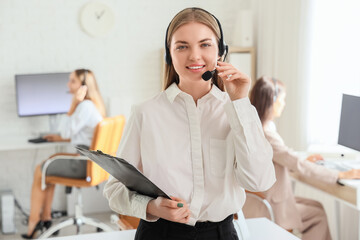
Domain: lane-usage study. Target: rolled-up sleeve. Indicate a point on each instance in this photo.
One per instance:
(253, 166)
(121, 199)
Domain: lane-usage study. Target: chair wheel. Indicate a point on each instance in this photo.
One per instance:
(99, 229)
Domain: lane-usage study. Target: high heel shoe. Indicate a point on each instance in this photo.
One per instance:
(47, 225)
(39, 226)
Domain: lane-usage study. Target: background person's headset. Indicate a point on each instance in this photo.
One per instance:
(83, 83)
(276, 90)
(223, 47)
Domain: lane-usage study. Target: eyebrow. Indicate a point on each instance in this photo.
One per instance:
(184, 42)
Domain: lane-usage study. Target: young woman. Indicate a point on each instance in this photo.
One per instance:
(199, 144)
(86, 111)
(268, 97)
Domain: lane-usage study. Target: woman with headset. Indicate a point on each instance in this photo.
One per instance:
(306, 215)
(86, 111)
(201, 144)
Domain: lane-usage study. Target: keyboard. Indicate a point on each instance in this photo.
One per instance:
(340, 165)
(37, 140)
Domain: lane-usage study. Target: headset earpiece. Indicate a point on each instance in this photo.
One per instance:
(276, 89)
(85, 75)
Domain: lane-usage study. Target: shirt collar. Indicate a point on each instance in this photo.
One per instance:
(173, 90)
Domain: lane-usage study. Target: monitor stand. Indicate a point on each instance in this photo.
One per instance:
(53, 125)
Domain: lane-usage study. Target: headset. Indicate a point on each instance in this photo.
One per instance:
(223, 47)
(85, 75)
(276, 92)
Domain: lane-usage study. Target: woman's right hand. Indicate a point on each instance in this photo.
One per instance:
(351, 174)
(81, 93)
(78, 97)
(169, 209)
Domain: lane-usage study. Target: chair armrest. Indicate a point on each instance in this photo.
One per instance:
(261, 197)
(55, 158)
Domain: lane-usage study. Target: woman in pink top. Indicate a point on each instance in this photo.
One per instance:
(268, 97)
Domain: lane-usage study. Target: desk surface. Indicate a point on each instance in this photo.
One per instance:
(14, 144)
(259, 228)
(348, 193)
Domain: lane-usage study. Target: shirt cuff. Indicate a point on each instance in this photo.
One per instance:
(140, 204)
(240, 111)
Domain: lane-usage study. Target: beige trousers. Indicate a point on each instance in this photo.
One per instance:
(313, 216)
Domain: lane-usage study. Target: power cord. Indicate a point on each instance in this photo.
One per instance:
(54, 214)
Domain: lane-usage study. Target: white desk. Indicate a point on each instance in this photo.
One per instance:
(21, 143)
(348, 194)
(259, 228)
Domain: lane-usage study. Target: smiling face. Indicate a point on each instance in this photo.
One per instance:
(193, 50)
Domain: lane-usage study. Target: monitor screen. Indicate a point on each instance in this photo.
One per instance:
(349, 131)
(42, 94)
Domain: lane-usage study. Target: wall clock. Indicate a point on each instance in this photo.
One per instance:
(97, 19)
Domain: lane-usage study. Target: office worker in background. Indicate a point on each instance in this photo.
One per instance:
(86, 111)
(268, 97)
(198, 143)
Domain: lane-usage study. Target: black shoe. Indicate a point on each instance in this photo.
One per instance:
(47, 225)
(39, 226)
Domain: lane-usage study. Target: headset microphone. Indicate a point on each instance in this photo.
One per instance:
(208, 75)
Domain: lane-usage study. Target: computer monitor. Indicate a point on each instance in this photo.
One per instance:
(349, 131)
(42, 94)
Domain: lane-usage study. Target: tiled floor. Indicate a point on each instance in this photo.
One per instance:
(71, 230)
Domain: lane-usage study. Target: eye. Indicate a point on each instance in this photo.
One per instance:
(205, 45)
(181, 47)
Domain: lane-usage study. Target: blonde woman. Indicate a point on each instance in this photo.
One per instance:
(86, 111)
(198, 143)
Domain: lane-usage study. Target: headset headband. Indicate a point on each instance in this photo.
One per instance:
(222, 45)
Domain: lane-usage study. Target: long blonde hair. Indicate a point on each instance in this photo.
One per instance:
(183, 17)
(93, 93)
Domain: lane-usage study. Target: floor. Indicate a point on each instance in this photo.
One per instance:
(71, 230)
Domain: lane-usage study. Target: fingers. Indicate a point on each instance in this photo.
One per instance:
(228, 72)
(49, 138)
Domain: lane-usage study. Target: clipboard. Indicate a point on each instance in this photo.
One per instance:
(126, 173)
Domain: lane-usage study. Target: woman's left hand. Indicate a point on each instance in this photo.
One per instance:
(53, 138)
(314, 157)
(237, 84)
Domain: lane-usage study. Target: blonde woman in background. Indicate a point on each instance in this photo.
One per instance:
(86, 111)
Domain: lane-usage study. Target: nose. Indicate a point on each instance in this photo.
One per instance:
(195, 54)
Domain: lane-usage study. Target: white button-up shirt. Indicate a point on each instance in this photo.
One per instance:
(205, 154)
(80, 126)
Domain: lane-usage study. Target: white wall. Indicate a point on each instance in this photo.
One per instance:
(41, 36)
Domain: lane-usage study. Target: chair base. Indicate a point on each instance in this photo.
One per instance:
(78, 221)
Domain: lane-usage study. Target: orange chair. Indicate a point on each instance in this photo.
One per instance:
(106, 138)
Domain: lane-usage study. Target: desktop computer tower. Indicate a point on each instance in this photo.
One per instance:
(7, 207)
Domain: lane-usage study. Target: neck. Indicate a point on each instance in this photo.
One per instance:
(196, 89)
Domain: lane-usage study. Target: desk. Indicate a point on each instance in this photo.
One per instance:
(347, 194)
(21, 143)
(259, 228)
(18, 159)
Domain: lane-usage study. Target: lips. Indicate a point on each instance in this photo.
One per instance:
(195, 68)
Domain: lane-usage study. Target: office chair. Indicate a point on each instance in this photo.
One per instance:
(106, 138)
(258, 200)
